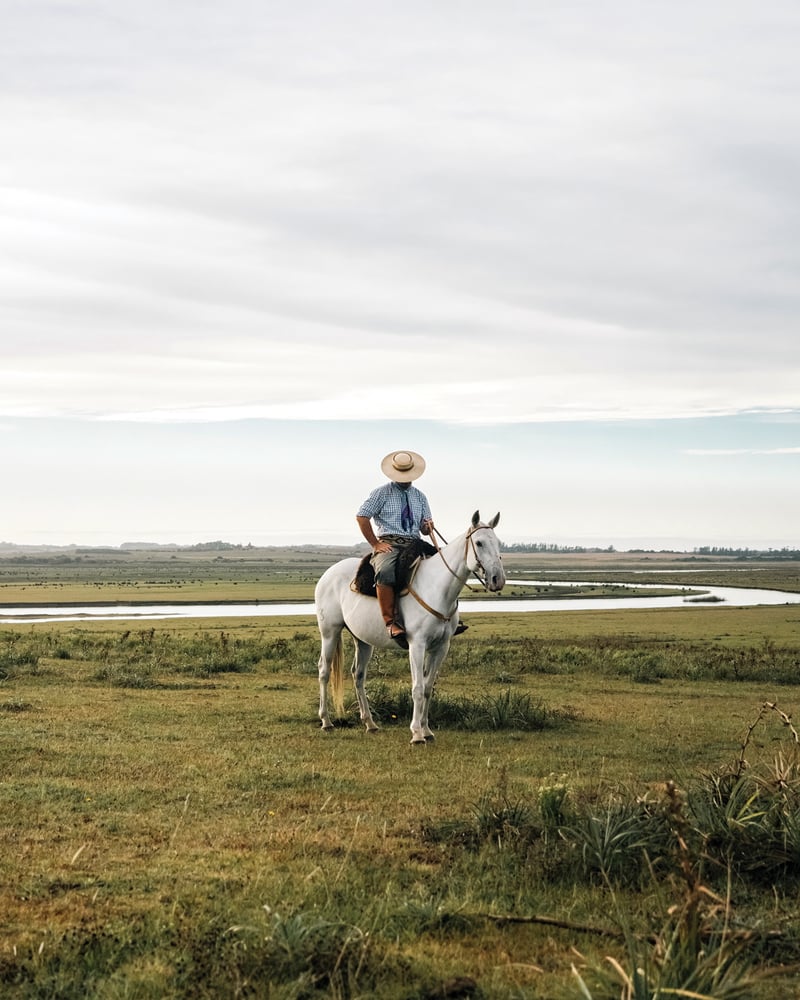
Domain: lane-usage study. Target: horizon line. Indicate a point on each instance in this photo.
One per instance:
(532, 547)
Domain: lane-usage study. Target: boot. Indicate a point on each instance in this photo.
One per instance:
(386, 602)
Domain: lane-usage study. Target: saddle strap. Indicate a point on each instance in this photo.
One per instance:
(433, 611)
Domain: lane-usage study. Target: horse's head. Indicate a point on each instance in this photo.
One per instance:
(483, 553)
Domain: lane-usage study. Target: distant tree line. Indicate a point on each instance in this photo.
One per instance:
(722, 550)
(215, 546)
(785, 553)
(550, 547)
(218, 545)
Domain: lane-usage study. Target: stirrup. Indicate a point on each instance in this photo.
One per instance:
(399, 637)
(461, 627)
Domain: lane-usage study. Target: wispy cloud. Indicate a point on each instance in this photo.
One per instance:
(741, 451)
(515, 216)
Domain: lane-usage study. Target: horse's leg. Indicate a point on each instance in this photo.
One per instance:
(331, 649)
(416, 657)
(360, 661)
(433, 660)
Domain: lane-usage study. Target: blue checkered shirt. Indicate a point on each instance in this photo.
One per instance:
(385, 507)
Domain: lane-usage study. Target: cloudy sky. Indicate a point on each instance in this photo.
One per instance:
(247, 249)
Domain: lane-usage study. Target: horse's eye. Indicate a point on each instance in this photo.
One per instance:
(479, 544)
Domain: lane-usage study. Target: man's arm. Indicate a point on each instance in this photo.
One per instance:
(365, 524)
(426, 524)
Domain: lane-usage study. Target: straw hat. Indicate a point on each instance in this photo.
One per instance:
(403, 466)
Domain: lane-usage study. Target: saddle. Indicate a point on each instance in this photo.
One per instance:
(364, 580)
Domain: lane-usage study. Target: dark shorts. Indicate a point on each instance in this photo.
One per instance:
(385, 563)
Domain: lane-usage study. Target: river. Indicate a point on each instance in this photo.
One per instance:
(712, 597)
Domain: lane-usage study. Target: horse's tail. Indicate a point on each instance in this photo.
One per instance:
(337, 678)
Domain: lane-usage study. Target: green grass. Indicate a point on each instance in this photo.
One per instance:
(100, 575)
(175, 824)
(286, 574)
(604, 785)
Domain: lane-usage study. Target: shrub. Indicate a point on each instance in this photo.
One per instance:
(618, 843)
(508, 710)
(749, 823)
(553, 803)
(502, 819)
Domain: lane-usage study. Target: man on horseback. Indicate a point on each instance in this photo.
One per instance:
(400, 513)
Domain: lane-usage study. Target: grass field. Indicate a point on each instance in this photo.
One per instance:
(603, 784)
(278, 574)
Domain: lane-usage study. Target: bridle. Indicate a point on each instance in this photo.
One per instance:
(478, 570)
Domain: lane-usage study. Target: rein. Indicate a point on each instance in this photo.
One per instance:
(467, 542)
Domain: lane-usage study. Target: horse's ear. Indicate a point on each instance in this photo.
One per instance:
(476, 518)
(495, 520)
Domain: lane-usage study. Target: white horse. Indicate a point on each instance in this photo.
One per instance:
(429, 611)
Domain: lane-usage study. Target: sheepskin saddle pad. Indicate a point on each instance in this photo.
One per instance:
(364, 580)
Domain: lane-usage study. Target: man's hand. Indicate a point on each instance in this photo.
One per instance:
(426, 527)
(365, 527)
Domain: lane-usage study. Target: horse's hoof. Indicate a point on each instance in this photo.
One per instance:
(418, 741)
(373, 729)
(327, 729)
(430, 738)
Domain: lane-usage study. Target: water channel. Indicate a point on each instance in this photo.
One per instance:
(699, 596)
